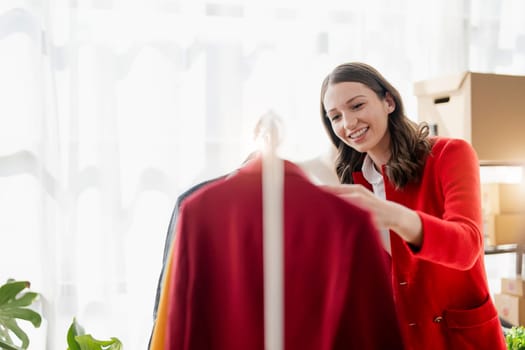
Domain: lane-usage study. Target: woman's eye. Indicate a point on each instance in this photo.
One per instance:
(357, 106)
(334, 118)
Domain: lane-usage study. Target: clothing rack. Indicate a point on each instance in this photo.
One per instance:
(268, 131)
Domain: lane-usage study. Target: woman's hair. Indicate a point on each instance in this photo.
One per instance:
(410, 144)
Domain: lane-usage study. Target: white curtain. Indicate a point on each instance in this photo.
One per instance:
(110, 108)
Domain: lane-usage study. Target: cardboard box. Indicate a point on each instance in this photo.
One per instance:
(487, 110)
(502, 198)
(504, 228)
(511, 308)
(513, 286)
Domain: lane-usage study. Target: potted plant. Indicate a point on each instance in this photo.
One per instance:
(515, 338)
(14, 301)
(14, 305)
(77, 339)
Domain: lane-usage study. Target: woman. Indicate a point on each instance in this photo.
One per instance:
(424, 196)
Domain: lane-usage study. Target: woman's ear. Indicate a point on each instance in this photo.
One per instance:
(390, 102)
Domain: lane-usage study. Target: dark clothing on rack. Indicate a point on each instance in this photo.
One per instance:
(169, 236)
(169, 241)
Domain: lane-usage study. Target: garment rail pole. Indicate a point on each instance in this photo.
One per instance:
(272, 190)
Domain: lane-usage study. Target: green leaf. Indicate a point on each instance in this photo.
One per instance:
(25, 300)
(23, 314)
(4, 335)
(7, 346)
(11, 289)
(78, 340)
(515, 338)
(74, 330)
(13, 326)
(13, 304)
(87, 342)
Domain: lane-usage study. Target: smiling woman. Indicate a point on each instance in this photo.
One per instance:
(423, 195)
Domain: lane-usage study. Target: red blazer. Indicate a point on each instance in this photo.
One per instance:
(441, 290)
(337, 293)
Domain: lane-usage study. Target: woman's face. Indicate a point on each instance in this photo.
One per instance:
(360, 118)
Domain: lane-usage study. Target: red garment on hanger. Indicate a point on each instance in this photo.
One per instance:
(338, 292)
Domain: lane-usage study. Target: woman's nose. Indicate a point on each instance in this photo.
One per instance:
(349, 121)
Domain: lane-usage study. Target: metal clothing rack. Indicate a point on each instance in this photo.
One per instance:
(269, 132)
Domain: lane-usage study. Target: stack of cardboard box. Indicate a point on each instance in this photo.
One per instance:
(503, 207)
(504, 223)
(510, 303)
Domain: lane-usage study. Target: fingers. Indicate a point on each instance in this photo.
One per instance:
(343, 189)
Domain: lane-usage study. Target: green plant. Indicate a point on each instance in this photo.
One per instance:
(515, 338)
(14, 301)
(78, 340)
(13, 306)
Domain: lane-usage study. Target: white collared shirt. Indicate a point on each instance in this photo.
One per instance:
(375, 178)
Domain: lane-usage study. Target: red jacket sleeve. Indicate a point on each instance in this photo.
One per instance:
(455, 239)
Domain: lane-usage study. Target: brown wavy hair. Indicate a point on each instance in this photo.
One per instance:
(409, 141)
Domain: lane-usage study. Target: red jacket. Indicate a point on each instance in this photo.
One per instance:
(441, 290)
(337, 293)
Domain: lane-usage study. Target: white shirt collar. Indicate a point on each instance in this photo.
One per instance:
(370, 173)
(375, 178)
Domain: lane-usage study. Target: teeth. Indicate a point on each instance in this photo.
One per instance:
(358, 133)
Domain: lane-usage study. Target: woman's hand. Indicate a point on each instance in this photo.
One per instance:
(385, 214)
